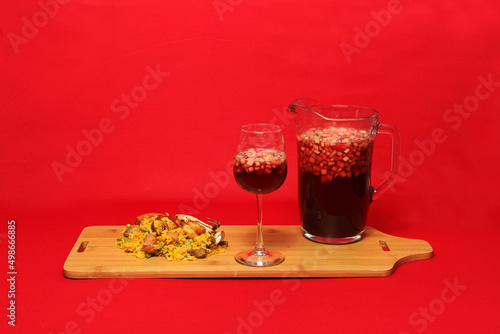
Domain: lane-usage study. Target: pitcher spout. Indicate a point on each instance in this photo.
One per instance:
(304, 103)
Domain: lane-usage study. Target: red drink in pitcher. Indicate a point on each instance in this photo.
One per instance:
(335, 144)
(334, 181)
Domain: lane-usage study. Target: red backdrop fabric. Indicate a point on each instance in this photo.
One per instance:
(111, 109)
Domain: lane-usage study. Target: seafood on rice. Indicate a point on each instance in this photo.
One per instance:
(181, 238)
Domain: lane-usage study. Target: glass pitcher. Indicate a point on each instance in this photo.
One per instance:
(335, 145)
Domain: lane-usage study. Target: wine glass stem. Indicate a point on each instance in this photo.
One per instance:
(259, 245)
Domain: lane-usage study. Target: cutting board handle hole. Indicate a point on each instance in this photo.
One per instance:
(384, 245)
(83, 246)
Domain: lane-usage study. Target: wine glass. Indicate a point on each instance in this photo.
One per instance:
(260, 167)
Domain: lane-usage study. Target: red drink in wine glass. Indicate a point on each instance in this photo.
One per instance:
(260, 171)
(260, 167)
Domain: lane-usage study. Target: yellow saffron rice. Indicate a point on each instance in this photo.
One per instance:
(172, 250)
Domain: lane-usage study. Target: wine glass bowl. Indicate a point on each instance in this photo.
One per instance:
(260, 171)
(260, 167)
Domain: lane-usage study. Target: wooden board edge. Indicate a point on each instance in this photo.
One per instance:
(274, 274)
(415, 257)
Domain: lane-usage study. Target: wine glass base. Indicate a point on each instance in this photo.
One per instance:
(259, 259)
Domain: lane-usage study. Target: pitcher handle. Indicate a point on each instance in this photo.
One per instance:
(396, 148)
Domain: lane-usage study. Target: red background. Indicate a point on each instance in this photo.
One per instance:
(242, 62)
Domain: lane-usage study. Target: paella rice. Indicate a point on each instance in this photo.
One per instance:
(162, 236)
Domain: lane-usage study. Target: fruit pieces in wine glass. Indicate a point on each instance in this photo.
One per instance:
(262, 161)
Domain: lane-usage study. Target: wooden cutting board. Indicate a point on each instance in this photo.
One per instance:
(303, 258)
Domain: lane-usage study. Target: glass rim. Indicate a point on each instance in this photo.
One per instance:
(261, 128)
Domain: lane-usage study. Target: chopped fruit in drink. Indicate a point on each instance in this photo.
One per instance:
(260, 170)
(335, 150)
